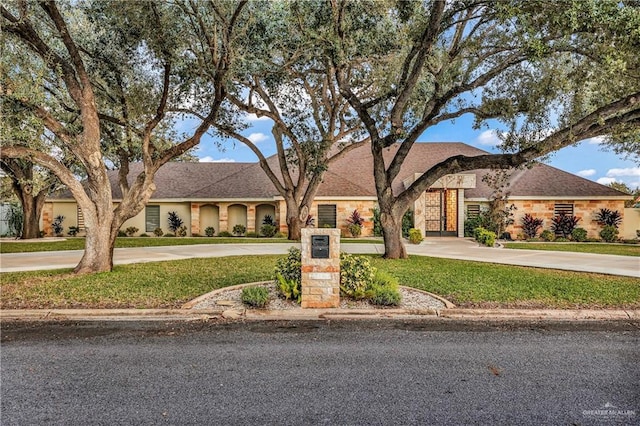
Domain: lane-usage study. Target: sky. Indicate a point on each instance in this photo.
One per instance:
(588, 159)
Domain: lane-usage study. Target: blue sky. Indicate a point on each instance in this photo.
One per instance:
(588, 159)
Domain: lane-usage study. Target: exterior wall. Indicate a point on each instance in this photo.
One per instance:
(237, 215)
(183, 210)
(585, 210)
(344, 208)
(630, 224)
(53, 209)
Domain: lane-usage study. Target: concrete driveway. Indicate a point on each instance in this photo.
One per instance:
(451, 248)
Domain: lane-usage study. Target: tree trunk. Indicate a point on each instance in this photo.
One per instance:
(294, 224)
(30, 218)
(98, 252)
(392, 232)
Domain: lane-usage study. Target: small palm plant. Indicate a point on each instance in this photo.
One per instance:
(355, 222)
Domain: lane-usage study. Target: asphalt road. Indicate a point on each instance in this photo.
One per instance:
(337, 373)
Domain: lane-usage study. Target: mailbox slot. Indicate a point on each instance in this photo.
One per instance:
(319, 246)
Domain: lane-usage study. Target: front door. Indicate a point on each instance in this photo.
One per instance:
(441, 213)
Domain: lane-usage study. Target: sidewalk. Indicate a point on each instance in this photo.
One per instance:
(451, 248)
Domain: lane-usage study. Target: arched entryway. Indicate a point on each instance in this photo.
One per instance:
(209, 217)
(263, 210)
(237, 215)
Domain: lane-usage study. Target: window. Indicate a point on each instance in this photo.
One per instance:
(327, 216)
(473, 211)
(559, 209)
(152, 218)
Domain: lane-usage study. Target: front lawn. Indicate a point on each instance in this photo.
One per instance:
(128, 242)
(597, 248)
(170, 284)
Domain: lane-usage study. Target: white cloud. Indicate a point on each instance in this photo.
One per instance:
(489, 138)
(587, 172)
(253, 118)
(595, 141)
(606, 180)
(257, 137)
(629, 171)
(210, 159)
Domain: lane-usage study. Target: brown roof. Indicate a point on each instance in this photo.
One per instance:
(352, 176)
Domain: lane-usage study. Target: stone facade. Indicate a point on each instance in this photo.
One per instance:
(585, 210)
(320, 277)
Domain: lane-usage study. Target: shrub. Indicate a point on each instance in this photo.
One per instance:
(169, 235)
(415, 236)
(355, 230)
(309, 221)
(209, 231)
(289, 267)
(121, 233)
(531, 225)
(407, 223)
(258, 297)
(355, 221)
(561, 240)
(158, 232)
(251, 234)
(268, 220)
(224, 234)
(579, 235)
(143, 235)
(480, 221)
(73, 231)
(130, 231)
(606, 217)
(280, 235)
(289, 289)
(356, 275)
(57, 225)
(174, 222)
(14, 218)
(485, 237)
(609, 233)
(384, 290)
(239, 230)
(181, 231)
(547, 236)
(564, 224)
(377, 225)
(268, 230)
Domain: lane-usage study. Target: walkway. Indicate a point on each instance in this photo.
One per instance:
(451, 248)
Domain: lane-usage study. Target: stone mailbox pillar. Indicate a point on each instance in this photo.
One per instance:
(320, 268)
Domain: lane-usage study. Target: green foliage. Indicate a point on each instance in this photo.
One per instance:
(531, 225)
(181, 231)
(169, 235)
(562, 240)
(144, 235)
(56, 225)
(356, 275)
(158, 232)
(290, 289)
(252, 234)
(209, 231)
(268, 220)
(579, 235)
(609, 233)
(15, 218)
(354, 230)
(377, 225)
(239, 229)
(547, 235)
(130, 231)
(175, 222)
(607, 217)
(480, 221)
(121, 233)
(268, 230)
(384, 290)
(407, 223)
(485, 237)
(73, 231)
(224, 234)
(564, 224)
(280, 235)
(290, 267)
(255, 296)
(415, 236)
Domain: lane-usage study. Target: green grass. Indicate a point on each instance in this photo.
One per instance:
(598, 248)
(127, 242)
(170, 284)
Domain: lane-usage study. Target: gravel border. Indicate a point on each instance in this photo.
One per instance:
(229, 298)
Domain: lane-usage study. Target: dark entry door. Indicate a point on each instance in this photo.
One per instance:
(441, 213)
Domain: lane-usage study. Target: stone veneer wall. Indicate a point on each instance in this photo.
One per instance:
(583, 209)
(344, 208)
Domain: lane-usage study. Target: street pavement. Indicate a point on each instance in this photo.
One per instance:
(451, 248)
(320, 373)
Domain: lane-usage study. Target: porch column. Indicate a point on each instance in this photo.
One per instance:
(223, 212)
(281, 216)
(195, 218)
(418, 214)
(47, 218)
(251, 218)
(460, 213)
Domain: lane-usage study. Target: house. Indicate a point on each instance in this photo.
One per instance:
(222, 195)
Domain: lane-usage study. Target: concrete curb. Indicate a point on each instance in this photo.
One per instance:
(317, 314)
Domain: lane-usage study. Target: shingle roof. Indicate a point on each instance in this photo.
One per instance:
(352, 176)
